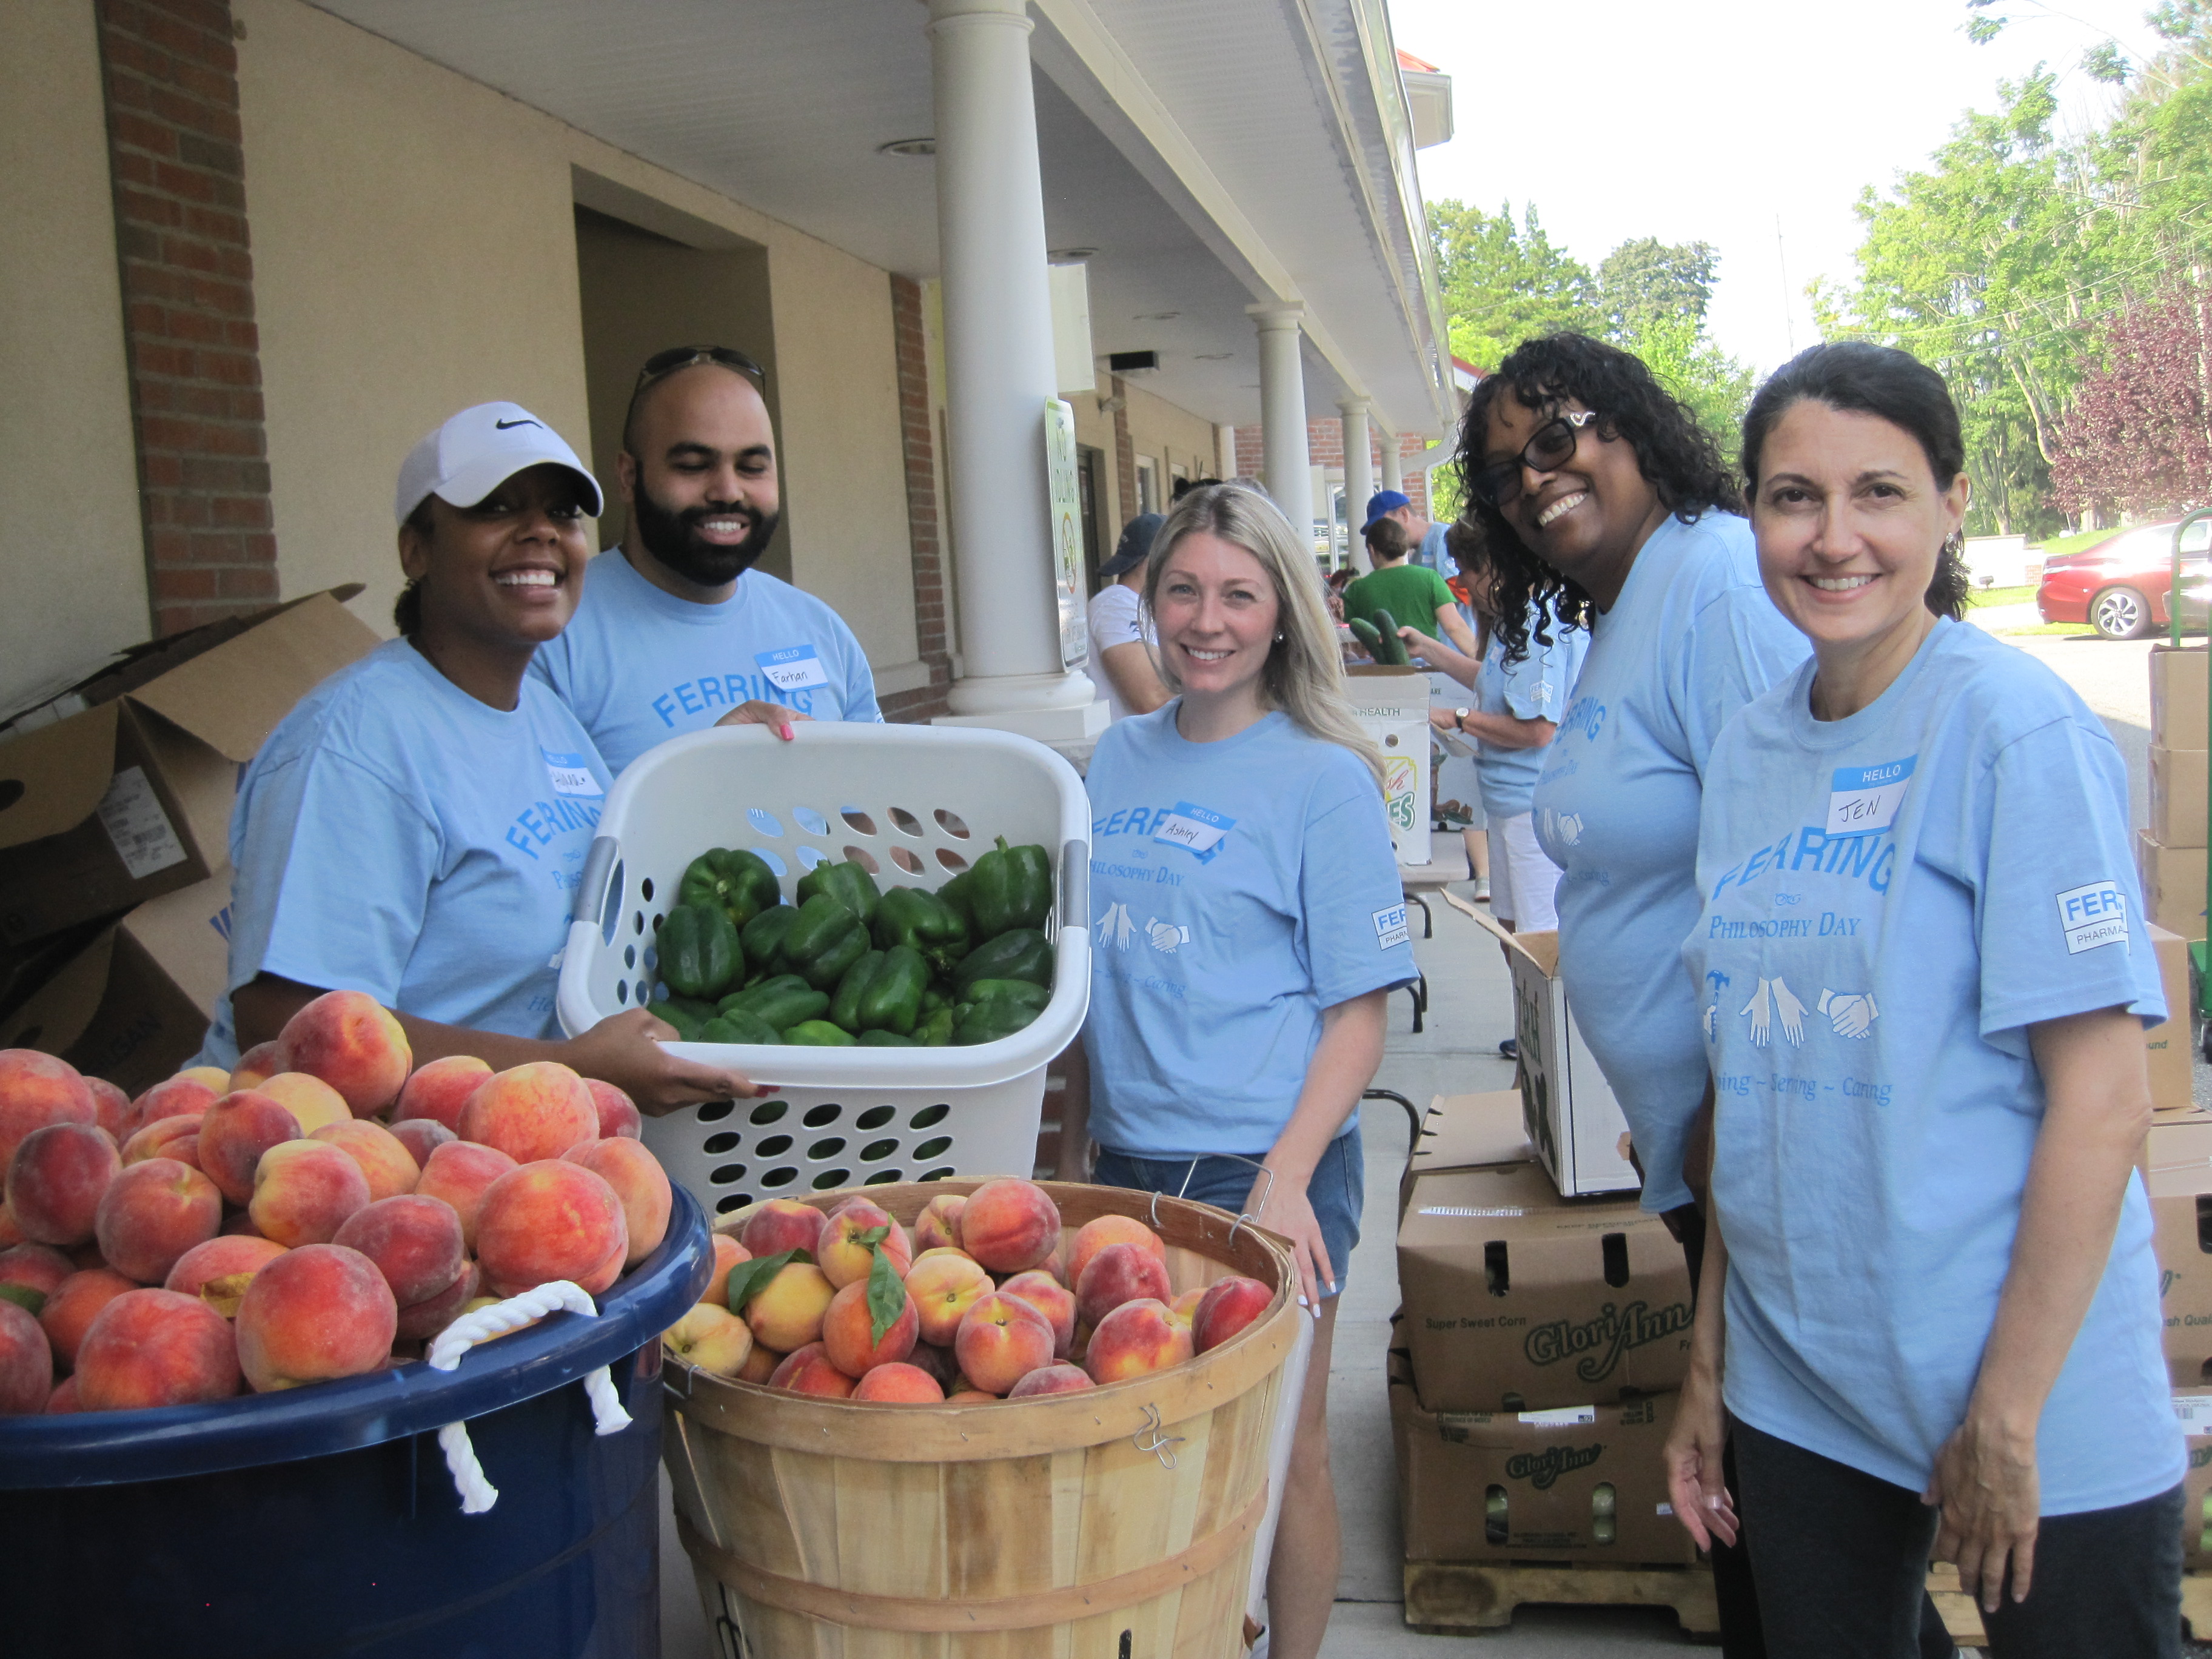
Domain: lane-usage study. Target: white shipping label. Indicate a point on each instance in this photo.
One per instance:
(1567, 1416)
(1864, 799)
(2195, 1412)
(131, 814)
(794, 668)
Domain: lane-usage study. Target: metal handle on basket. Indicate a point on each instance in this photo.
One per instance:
(1233, 1226)
(1074, 885)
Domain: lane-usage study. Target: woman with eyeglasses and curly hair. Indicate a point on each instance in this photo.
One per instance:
(1604, 503)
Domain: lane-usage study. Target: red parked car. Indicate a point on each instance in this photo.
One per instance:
(2120, 586)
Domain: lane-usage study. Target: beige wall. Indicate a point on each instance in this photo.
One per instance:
(414, 251)
(1174, 438)
(74, 564)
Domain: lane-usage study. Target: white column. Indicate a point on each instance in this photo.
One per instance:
(1358, 476)
(1393, 466)
(998, 373)
(1285, 466)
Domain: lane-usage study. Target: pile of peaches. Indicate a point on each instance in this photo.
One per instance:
(321, 1212)
(988, 1298)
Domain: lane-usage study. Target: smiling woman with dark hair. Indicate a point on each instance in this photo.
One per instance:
(1604, 502)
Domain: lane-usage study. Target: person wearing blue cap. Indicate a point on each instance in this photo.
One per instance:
(416, 828)
(1121, 665)
(1424, 536)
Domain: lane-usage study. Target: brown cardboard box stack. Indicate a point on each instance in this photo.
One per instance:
(2170, 855)
(115, 802)
(1535, 1364)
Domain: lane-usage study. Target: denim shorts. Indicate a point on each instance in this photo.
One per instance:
(1337, 1190)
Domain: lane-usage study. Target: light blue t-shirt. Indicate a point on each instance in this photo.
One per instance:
(1433, 552)
(1238, 889)
(1691, 638)
(1893, 899)
(1535, 689)
(398, 837)
(640, 666)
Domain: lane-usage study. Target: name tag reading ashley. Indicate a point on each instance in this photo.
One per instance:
(1195, 830)
(1864, 799)
(794, 668)
(571, 774)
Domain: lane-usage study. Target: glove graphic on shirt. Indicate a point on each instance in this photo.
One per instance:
(1851, 1013)
(1789, 1012)
(1115, 927)
(1762, 1015)
(1773, 999)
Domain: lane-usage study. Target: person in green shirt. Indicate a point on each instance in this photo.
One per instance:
(1413, 594)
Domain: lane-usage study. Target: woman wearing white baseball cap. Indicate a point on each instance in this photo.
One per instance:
(415, 828)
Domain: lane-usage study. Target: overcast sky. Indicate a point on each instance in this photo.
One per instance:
(1704, 120)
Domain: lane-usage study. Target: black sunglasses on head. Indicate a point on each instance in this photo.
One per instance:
(1547, 451)
(662, 364)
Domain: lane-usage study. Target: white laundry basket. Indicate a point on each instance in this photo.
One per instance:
(917, 803)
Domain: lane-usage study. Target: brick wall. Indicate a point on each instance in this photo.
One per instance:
(1325, 448)
(170, 69)
(917, 436)
(1125, 452)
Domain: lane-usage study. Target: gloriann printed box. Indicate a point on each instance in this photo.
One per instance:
(1392, 705)
(1519, 1300)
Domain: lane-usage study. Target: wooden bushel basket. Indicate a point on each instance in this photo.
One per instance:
(1116, 1523)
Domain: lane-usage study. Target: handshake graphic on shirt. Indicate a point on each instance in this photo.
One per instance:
(1851, 1013)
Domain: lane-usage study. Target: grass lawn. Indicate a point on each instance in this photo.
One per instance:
(1981, 596)
(2049, 627)
(2073, 544)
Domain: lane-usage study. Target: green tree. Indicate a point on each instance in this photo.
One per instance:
(1647, 280)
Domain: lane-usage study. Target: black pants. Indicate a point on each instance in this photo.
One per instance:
(1743, 1633)
(1842, 1560)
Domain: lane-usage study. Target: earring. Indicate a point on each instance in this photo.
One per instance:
(1278, 639)
(1954, 544)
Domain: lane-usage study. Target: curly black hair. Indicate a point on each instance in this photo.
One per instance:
(1893, 385)
(1675, 454)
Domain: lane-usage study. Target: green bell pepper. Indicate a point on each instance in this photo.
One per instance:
(848, 883)
(1009, 888)
(780, 1003)
(954, 895)
(937, 1031)
(921, 921)
(888, 1039)
(991, 1019)
(1013, 990)
(699, 951)
(761, 936)
(684, 1014)
(737, 1025)
(818, 1033)
(891, 999)
(825, 939)
(739, 881)
(845, 1000)
(933, 996)
(1024, 953)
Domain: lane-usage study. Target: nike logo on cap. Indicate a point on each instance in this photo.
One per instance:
(502, 426)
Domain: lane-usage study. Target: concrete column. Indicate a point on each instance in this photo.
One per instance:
(1285, 466)
(1358, 475)
(998, 374)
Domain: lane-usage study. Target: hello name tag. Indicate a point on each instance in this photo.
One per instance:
(794, 668)
(1864, 799)
(1195, 830)
(571, 774)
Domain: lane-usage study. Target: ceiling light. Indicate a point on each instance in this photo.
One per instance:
(908, 147)
(1215, 356)
(1070, 256)
(1158, 316)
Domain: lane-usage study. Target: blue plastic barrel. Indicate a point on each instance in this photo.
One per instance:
(322, 1520)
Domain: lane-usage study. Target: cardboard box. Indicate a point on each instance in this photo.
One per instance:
(1584, 1483)
(2178, 796)
(1466, 1132)
(2166, 1045)
(2180, 1153)
(129, 797)
(133, 1005)
(1573, 1120)
(2172, 885)
(2180, 715)
(1519, 1300)
(2176, 1158)
(1392, 705)
(2194, 1407)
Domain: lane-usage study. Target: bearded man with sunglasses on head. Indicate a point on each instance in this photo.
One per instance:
(675, 631)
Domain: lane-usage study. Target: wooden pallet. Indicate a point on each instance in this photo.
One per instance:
(1445, 1598)
(1963, 1618)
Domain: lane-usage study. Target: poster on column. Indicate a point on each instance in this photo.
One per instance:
(1065, 529)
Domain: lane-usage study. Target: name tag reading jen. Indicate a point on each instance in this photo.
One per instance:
(571, 774)
(1195, 830)
(794, 668)
(1865, 799)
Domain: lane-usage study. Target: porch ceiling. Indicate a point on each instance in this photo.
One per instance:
(1157, 122)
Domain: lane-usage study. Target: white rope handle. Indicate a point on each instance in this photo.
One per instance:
(477, 1492)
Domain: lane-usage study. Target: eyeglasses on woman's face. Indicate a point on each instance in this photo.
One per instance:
(1548, 450)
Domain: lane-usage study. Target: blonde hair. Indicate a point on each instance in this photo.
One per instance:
(1304, 675)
